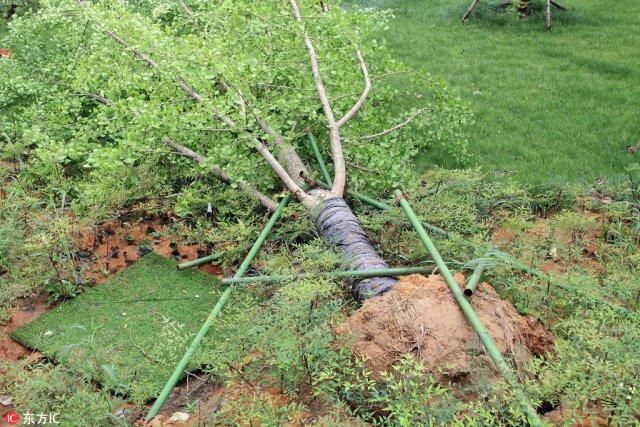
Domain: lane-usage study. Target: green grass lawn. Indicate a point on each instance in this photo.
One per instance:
(557, 106)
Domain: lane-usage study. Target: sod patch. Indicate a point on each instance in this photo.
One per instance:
(129, 333)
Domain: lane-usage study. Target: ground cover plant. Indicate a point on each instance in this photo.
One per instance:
(117, 113)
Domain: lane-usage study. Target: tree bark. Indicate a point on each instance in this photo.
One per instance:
(339, 227)
(468, 12)
(247, 188)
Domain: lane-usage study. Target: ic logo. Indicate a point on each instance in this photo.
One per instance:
(11, 418)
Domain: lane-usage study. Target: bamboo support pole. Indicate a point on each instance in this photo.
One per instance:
(474, 279)
(470, 314)
(548, 15)
(361, 274)
(321, 163)
(182, 365)
(197, 262)
(468, 12)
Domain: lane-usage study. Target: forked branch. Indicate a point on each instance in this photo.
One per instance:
(340, 178)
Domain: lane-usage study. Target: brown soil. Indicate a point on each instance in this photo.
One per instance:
(590, 417)
(28, 309)
(112, 246)
(420, 316)
(206, 393)
(591, 240)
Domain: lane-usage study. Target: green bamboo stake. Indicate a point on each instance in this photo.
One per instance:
(361, 274)
(474, 279)
(197, 262)
(364, 199)
(182, 365)
(321, 163)
(470, 314)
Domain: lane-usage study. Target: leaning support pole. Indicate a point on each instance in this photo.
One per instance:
(321, 163)
(474, 279)
(351, 274)
(470, 314)
(197, 262)
(182, 365)
(468, 12)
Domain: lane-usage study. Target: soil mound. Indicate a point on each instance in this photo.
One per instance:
(420, 316)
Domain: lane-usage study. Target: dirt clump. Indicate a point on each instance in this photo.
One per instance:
(420, 316)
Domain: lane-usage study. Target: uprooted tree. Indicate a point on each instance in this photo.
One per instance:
(224, 84)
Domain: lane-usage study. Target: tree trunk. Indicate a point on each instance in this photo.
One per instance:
(338, 226)
(523, 6)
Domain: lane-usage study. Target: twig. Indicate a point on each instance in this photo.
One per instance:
(396, 127)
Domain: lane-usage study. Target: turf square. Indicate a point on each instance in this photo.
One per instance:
(130, 332)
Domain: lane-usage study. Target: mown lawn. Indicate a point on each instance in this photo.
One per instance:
(557, 106)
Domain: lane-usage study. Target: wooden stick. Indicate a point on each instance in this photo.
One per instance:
(468, 12)
(548, 15)
(558, 5)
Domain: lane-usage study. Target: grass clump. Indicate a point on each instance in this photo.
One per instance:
(47, 388)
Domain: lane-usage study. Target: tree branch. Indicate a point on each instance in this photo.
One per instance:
(190, 13)
(315, 68)
(144, 57)
(247, 188)
(261, 148)
(340, 177)
(396, 127)
(365, 93)
(286, 179)
(294, 166)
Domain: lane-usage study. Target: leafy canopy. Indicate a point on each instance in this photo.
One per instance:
(91, 115)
